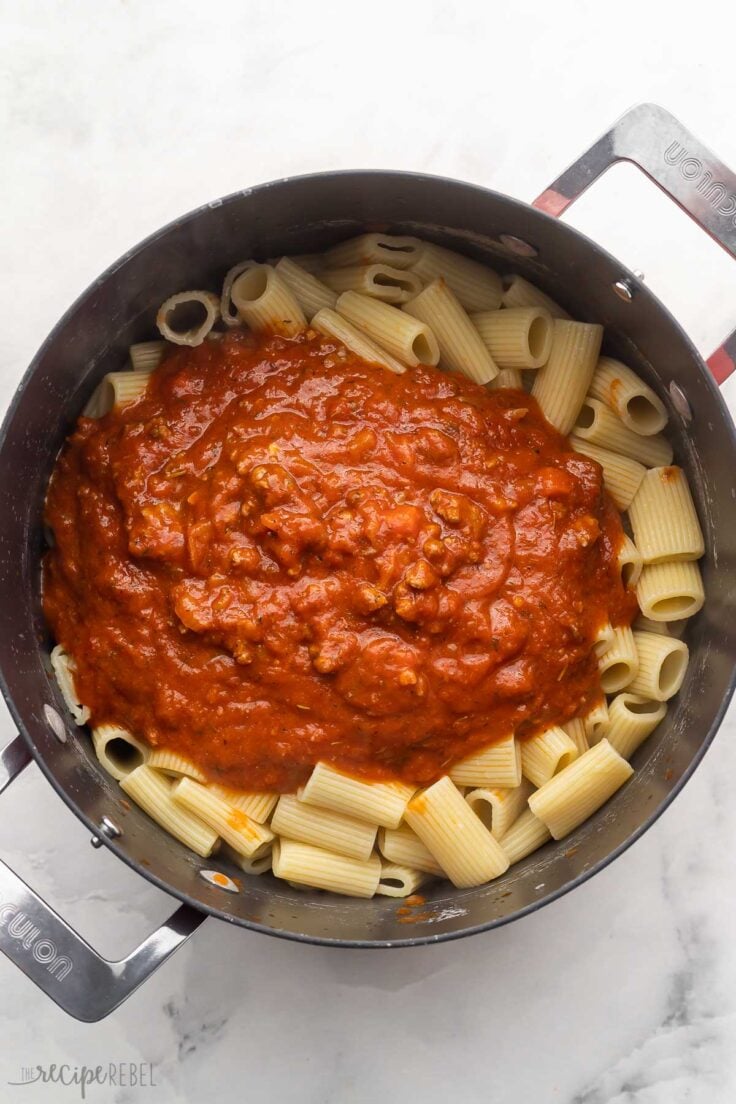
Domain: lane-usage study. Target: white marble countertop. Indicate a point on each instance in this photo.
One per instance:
(115, 118)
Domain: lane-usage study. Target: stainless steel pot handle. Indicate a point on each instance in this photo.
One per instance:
(54, 956)
(686, 170)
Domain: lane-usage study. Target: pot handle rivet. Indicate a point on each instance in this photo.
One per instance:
(624, 289)
(681, 402)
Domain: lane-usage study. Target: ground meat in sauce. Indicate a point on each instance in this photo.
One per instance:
(282, 554)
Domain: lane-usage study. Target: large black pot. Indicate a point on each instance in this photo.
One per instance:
(302, 215)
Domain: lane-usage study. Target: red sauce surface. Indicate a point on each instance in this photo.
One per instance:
(281, 554)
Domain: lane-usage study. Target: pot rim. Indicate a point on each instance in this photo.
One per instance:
(258, 926)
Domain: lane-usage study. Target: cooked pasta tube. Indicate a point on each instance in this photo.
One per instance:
(64, 667)
(377, 802)
(506, 378)
(596, 721)
(600, 425)
(500, 807)
(188, 303)
(545, 754)
(406, 338)
(645, 624)
(517, 338)
(145, 356)
(518, 292)
(310, 262)
(561, 385)
(637, 405)
(117, 750)
(116, 389)
(664, 519)
(580, 789)
(257, 806)
(619, 663)
(499, 764)
(174, 765)
(323, 827)
(475, 286)
(242, 833)
(622, 477)
(261, 865)
(403, 846)
(461, 347)
(266, 303)
(662, 665)
(631, 719)
(455, 835)
(332, 324)
(399, 881)
(313, 866)
(380, 281)
(398, 251)
(310, 293)
(229, 316)
(629, 562)
(526, 834)
(152, 791)
(575, 729)
(670, 591)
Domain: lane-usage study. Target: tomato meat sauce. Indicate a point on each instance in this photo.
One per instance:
(282, 554)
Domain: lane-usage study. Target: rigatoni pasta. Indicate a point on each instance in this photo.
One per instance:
(409, 340)
(380, 281)
(637, 405)
(622, 476)
(266, 303)
(600, 425)
(233, 826)
(399, 881)
(526, 835)
(664, 518)
(461, 347)
(145, 356)
(396, 250)
(310, 293)
(313, 866)
(455, 835)
(475, 287)
(619, 663)
(574, 794)
(381, 803)
(516, 338)
(631, 719)
(662, 666)
(117, 750)
(332, 324)
(670, 591)
(195, 327)
(403, 847)
(498, 764)
(323, 827)
(518, 292)
(149, 789)
(500, 807)
(174, 765)
(543, 755)
(561, 385)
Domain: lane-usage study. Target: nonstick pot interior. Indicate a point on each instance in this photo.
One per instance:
(303, 215)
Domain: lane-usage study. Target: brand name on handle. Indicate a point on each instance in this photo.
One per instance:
(714, 192)
(19, 926)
